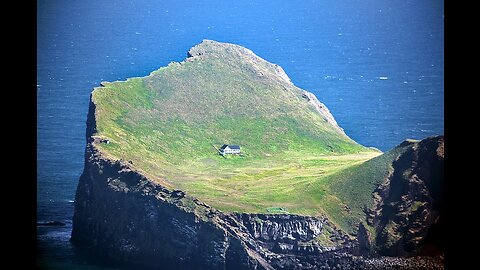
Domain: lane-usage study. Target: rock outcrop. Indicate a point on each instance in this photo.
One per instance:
(322, 109)
(408, 204)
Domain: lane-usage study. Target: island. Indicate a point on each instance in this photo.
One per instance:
(221, 162)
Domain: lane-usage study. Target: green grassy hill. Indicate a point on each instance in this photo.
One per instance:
(351, 189)
(169, 123)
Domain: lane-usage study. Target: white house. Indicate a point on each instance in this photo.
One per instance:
(229, 149)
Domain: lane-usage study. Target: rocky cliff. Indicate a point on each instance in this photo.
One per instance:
(121, 214)
(408, 204)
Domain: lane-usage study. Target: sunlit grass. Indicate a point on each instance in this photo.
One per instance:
(168, 124)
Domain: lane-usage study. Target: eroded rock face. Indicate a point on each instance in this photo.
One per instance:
(408, 205)
(363, 239)
(282, 227)
(121, 214)
(322, 110)
(294, 234)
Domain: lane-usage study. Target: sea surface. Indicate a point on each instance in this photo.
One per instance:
(378, 66)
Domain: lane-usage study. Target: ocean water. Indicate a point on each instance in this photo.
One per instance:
(377, 65)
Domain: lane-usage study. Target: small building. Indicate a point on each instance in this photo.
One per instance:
(229, 149)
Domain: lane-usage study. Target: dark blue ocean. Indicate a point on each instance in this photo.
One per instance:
(377, 64)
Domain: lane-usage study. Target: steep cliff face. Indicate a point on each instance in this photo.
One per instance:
(121, 214)
(285, 234)
(408, 204)
(322, 110)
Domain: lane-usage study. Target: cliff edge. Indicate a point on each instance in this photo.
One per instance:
(121, 214)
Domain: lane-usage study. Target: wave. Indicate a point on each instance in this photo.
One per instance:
(50, 223)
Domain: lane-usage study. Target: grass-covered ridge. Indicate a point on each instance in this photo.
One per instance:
(351, 189)
(169, 123)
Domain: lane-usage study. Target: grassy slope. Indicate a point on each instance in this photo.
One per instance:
(354, 185)
(166, 124)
